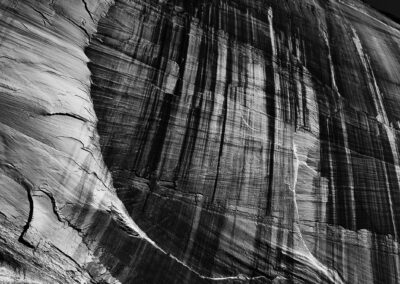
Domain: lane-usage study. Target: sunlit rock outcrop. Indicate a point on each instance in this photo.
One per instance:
(236, 141)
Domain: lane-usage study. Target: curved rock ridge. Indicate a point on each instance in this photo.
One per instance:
(60, 219)
(172, 141)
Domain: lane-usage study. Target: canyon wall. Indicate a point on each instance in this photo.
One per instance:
(236, 141)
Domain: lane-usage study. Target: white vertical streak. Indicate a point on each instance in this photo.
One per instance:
(373, 86)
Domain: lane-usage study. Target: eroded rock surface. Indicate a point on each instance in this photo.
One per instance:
(236, 141)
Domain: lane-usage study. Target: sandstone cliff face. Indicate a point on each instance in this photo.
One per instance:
(147, 141)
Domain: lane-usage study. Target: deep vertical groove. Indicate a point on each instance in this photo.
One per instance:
(225, 114)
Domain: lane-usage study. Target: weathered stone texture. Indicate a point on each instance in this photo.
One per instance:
(236, 141)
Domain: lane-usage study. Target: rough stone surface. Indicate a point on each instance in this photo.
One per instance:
(188, 141)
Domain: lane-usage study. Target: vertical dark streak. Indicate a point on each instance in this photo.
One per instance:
(225, 114)
(30, 216)
(271, 134)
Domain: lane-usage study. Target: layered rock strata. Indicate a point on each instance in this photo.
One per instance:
(243, 141)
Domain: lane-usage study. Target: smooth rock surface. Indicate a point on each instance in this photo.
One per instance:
(236, 141)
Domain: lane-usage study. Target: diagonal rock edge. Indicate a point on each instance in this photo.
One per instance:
(333, 276)
(122, 217)
(126, 222)
(154, 187)
(13, 173)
